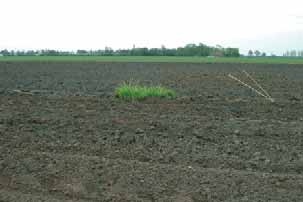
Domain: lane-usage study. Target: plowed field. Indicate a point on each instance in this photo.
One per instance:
(65, 137)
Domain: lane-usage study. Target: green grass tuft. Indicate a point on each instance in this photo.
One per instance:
(135, 91)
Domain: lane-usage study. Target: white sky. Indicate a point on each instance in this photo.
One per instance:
(267, 25)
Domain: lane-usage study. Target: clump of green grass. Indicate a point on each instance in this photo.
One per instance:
(135, 91)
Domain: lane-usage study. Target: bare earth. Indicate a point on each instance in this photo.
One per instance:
(65, 137)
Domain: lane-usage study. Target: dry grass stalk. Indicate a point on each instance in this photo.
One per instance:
(266, 96)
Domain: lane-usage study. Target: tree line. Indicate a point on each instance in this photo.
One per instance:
(188, 50)
(256, 53)
(293, 53)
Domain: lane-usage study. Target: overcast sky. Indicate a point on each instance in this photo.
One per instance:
(268, 25)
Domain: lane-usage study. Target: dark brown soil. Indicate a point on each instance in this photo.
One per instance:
(65, 137)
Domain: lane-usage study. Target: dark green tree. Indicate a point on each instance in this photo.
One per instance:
(257, 53)
(250, 53)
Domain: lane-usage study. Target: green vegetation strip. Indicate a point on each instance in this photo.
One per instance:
(132, 91)
(182, 59)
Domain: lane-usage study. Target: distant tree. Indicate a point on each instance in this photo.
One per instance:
(204, 50)
(219, 46)
(50, 52)
(163, 50)
(30, 53)
(108, 51)
(141, 52)
(82, 52)
(5, 52)
(231, 52)
(250, 53)
(287, 54)
(191, 50)
(263, 54)
(19, 53)
(257, 53)
(171, 52)
(293, 53)
(154, 52)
